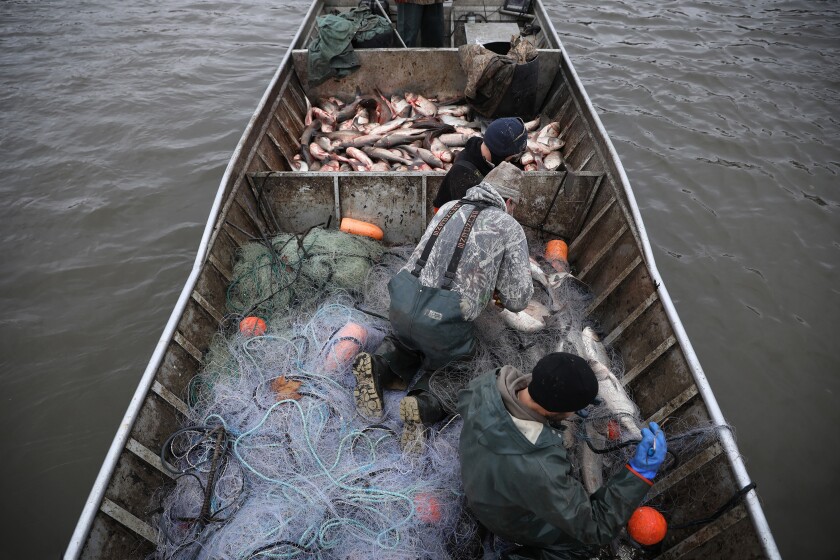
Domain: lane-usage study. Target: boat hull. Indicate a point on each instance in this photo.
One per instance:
(590, 203)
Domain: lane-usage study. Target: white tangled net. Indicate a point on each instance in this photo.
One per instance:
(275, 461)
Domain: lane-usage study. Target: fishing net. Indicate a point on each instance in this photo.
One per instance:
(299, 269)
(498, 344)
(276, 463)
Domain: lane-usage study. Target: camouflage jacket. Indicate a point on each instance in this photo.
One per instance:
(495, 257)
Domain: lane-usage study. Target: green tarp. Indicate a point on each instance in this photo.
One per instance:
(331, 52)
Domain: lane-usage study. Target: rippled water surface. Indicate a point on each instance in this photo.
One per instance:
(117, 120)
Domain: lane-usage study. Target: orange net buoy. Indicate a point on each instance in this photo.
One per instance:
(557, 255)
(647, 526)
(252, 326)
(613, 430)
(358, 227)
(556, 250)
(427, 508)
(348, 341)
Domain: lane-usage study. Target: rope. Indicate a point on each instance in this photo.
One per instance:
(204, 517)
(739, 495)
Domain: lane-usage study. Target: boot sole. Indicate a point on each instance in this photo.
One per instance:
(413, 438)
(368, 402)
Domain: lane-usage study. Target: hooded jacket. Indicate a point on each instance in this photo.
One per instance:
(524, 492)
(495, 256)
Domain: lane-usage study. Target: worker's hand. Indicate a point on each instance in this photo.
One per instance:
(497, 299)
(650, 453)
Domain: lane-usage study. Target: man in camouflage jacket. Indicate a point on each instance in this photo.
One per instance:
(432, 308)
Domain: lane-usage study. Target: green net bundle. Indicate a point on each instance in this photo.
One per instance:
(297, 269)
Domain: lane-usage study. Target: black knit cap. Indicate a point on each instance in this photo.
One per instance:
(563, 382)
(506, 137)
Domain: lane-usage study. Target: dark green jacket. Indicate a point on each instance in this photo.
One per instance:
(524, 492)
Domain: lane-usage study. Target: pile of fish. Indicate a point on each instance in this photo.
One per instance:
(405, 133)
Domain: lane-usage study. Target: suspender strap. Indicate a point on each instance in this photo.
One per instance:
(421, 262)
(449, 275)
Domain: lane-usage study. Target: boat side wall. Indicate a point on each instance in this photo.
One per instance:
(616, 170)
(243, 152)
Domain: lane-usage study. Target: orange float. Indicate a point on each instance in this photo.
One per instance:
(348, 341)
(557, 254)
(613, 430)
(647, 526)
(427, 508)
(252, 326)
(358, 227)
(556, 250)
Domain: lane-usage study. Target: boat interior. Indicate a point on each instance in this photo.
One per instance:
(583, 203)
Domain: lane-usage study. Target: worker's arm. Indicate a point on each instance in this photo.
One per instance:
(598, 518)
(513, 283)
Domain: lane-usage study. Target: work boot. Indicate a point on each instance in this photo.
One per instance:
(416, 412)
(368, 391)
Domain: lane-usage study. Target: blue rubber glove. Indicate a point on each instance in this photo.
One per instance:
(648, 457)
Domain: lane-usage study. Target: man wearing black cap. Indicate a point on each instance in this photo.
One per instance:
(516, 474)
(503, 140)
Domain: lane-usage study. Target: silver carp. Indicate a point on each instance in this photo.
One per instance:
(593, 346)
(454, 110)
(317, 152)
(325, 143)
(399, 138)
(323, 116)
(538, 148)
(426, 155)
(615, 400)
(388, 127)
(421, 105)
(551, 130)
(349, 110)
(401, 107)
(539, 275)
(591, 464)
(380, 166)
(553, 161)
(363, 140)
(385, 154)
(453, 140)
(441, 150)
(359, 155)
(533, 125)
(529, 320)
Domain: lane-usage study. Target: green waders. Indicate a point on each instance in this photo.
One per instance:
(429, 328)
